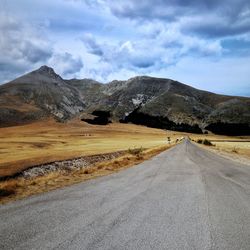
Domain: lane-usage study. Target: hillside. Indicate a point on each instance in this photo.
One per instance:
(38, 94)
(154, 102)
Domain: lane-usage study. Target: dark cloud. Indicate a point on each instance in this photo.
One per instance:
(66, 64)
(92, 46)
(122, 55)
(35, 52)
(215, 18)
(21, 48)
(11, 69)
(217, 29)
(143, 64)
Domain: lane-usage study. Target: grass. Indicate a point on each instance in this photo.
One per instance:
(18, 188)
(43, 142)
(230, 144)
(238, 147)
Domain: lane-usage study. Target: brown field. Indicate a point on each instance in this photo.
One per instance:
(29, 145)
(42, 142)
(239, 145)
(48, 141)
(18, 188)
(242, 147)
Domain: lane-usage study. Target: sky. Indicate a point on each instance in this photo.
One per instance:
(203, 43)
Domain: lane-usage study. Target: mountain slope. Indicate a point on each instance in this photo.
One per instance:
(149, 101)
(38, 94)
(165, 103)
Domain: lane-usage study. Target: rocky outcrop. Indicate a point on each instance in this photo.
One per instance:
(68, 165)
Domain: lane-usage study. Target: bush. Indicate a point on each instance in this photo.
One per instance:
(207, 142)
(235, 150)
(86, 171)
(6, 192)
(135, 151)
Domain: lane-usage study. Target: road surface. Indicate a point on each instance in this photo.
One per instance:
(184, 198)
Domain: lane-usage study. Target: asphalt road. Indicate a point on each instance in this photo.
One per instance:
(185, 198)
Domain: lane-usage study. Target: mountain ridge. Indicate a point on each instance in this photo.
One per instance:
(166, 103)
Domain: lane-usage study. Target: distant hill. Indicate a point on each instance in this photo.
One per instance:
(149, 101)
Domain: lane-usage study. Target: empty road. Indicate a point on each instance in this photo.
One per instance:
(184, 198)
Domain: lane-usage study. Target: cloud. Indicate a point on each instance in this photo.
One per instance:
(226, 76)
(205, 18)
(120, 39)
(24, 47)
(213, 26)
(66, 64)
(20, 47)
(130, 55)
(149, 54)
(91, 45)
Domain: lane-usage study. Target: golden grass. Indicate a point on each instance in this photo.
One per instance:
(18, 188)
(235, 145)
(43, 142)
(242, 148)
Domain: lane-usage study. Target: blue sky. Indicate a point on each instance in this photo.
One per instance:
(203, 43)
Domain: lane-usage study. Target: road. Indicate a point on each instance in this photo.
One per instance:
(184, 198)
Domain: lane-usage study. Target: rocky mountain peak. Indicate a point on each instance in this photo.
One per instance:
(47, 71)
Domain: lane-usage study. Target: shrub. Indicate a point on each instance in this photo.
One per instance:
(86, 171)
(135, 151)
(235, 150)
(6, 192)
(207, 142)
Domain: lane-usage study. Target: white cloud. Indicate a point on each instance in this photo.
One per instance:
(66, 64)
(21, 47)
(121, 39)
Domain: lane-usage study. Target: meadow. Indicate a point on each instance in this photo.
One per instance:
(43, 142)
(47, 141)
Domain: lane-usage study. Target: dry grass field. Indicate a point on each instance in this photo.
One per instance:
(239, 145)
(48, 141)
(18, 188)
(42, 142)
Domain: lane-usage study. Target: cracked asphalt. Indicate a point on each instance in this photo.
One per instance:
(184, 198)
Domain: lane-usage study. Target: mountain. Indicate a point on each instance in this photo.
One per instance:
(169, 104)
(154, 102)
(38, 94)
